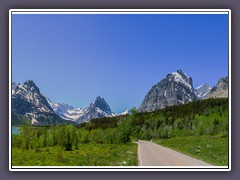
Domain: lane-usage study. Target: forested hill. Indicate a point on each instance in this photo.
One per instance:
(202, 117)
(187, 111)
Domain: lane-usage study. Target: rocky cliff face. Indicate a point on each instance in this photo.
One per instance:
(220, 90)
(26, 98)
(175, 89)
(97, 109)
(28, 103)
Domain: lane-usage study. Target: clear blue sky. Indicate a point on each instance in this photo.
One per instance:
(75, 58)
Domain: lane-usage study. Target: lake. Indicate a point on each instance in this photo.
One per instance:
(15, 130)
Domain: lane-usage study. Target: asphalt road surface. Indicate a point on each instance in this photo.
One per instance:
(151, 154)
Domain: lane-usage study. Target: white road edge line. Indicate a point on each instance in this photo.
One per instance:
(139, 155)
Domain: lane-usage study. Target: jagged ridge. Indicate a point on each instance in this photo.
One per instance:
(175, 89)
(28, 104)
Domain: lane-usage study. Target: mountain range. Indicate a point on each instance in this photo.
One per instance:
(97, 109)
(177, 88)
(29, 104)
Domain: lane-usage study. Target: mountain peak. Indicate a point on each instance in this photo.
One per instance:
(220, 90)
(175, 89)
(223, 83)
(101, 104)
(98, 98)
(97, 109)
(28, 101)
(98, 101)
(29, 82)
(180, 71)
(180, 77)
(31, 86)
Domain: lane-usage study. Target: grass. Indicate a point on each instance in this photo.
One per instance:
(211, 149)
(86, 155)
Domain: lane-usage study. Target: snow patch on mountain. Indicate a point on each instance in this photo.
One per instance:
(175, 89)
(29, 92)
(66, 111)
(30, 104)
(127, 111)
(98, 108)
(178, 78)
(202, 91)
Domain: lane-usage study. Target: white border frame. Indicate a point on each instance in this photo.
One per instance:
(118, 11)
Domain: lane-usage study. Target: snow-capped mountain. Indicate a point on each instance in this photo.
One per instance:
(175, 89)
(127, 111)
(97, 109)
(29, 104)
(28, 101)
(66, 111)
(30, 94)
(202, 91)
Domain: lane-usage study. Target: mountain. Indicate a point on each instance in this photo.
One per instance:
(14, 85)
(127, 111)
(175, 89)
(97, 109)
(202, 91)
(28, 104)
(26, 98)
(220, 90)
(66, 111)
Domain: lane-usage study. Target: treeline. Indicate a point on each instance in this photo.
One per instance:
(183, 114)
(67, 136)
(197, 118)
(105, 122)
(202, 117)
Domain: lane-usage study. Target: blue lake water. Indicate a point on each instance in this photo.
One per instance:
(15, 130)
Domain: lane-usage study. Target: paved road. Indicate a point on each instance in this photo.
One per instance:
(151, 154)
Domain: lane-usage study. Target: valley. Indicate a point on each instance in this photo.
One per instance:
(171, 114)
(203, 124)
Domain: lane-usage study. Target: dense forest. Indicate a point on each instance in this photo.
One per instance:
(205, 117)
